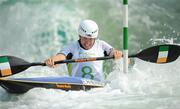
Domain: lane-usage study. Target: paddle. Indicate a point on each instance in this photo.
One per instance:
(10, 65)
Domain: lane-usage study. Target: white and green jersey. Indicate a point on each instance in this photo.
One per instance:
(92, 70)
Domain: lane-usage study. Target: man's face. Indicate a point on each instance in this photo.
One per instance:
(87, 43)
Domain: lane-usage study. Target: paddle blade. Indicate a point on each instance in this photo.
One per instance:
(10, 65)
(160, 54)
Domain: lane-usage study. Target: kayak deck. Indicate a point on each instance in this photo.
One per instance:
(22, 85)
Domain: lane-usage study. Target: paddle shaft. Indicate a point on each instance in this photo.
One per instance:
(80, 60)
(74, 60)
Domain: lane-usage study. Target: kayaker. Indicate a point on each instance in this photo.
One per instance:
(87, 46)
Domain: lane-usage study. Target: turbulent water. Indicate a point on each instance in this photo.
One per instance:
(36, 29)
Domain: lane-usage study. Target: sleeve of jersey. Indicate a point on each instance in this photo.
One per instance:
(106, 47)
(66, 50)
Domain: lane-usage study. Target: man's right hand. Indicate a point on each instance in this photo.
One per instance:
(50, 61)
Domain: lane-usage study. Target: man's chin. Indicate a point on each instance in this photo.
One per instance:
(87, 48)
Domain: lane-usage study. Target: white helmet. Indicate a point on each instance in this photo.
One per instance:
(88, 28)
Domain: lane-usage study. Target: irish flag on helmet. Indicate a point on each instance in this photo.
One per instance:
(5, 68)
(163, 54)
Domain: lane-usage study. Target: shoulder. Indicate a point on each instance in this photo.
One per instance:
(72, 45)
(101, 42)
(69, 48)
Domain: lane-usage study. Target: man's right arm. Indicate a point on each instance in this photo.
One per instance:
(50, 61)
